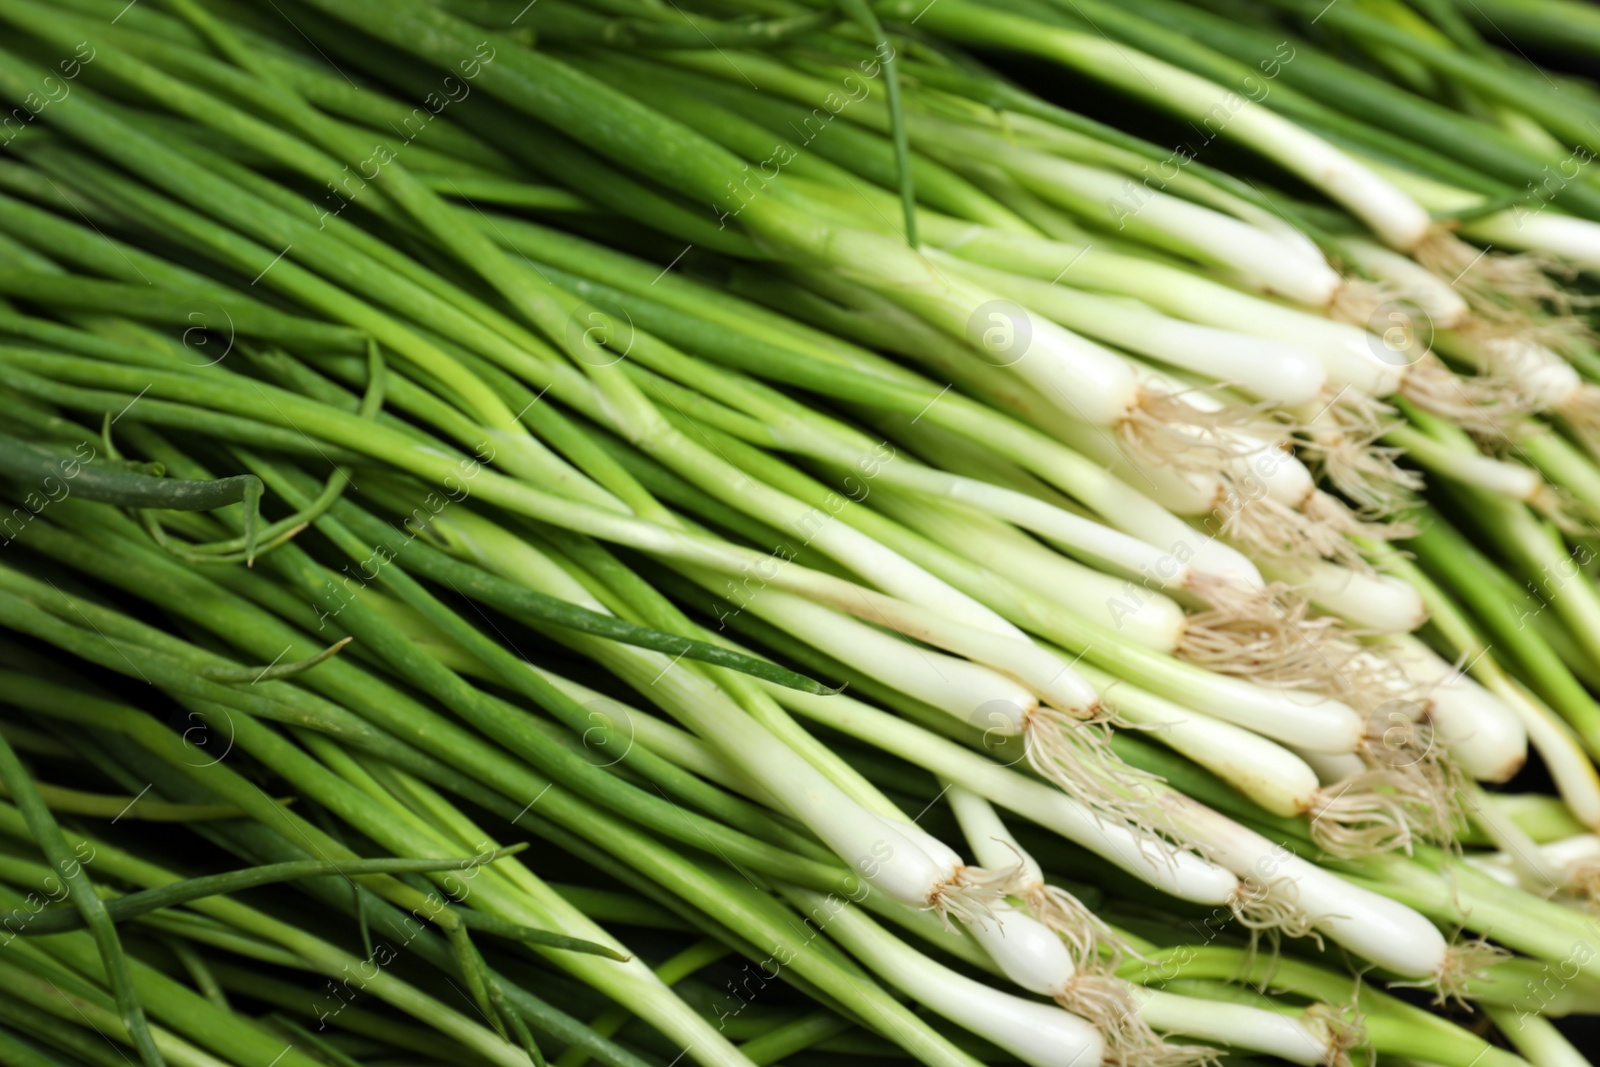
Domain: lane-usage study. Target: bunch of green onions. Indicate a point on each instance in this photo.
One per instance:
(738, 534)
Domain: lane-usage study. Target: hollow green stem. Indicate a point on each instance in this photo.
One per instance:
(69, 866)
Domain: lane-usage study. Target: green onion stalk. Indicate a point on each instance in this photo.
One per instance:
(637, 408)
(258, 744)
(1206, 598)
(1344, 726)
(367, 635)
(1058, 674)
(292, 551)
(1441, 305)
(1277, 372)
(702, 171)
(1229, 57)
(171, 748)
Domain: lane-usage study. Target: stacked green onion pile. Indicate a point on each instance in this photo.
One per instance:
(763, 531)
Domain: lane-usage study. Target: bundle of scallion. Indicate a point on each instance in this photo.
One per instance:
(927, 572)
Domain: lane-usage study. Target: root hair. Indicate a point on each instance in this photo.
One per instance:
(1342, 1028)
(1231, 595)
(1269, 636)
(1261, 525)
(969, 894)
(1558, 332)
(1410, 792)
(1357, 299)
(1327, 511)
(1512, 290)
(1565, 510)
(1075, 754)
(1275, 644)
(1094, 947)
(1110, 1006)
(1581, 414)
(1348, 455)
(1167, 430)
(1163, 1054)
(1583, 884)
(1318, 527)
(1581, 411)
(1463, 961)
(1357, 817)
(1485, 405)
(1264, 908)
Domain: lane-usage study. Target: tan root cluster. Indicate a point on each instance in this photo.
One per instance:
(1075, 755)
(1164, 429)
